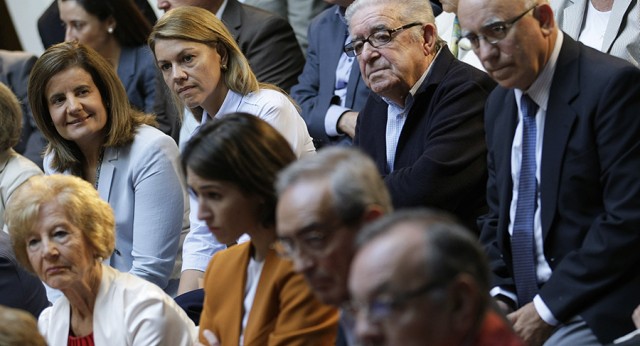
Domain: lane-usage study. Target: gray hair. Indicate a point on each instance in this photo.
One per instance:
(451, 248)
(405, 11)
(353, 179)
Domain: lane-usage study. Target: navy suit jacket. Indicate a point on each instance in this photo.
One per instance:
(14, 73)
(146, 89)
(589, 186)
(441, 154)
(316, 84)
(267, 41)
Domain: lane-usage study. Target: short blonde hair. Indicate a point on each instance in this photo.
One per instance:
(196, 24)
(122, 119)
(83, 206)
(10, 118)
(18, 327)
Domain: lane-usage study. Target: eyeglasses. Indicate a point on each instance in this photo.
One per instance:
(376, 40)
(313, 240)
(492, 33)
(381, 309)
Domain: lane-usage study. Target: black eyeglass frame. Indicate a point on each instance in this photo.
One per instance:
(472, 41)
(352, 50)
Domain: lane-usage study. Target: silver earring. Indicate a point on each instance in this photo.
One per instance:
(223, 67)
(110, 30)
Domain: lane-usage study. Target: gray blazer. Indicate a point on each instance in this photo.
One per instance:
(622, 36)
(143, 184)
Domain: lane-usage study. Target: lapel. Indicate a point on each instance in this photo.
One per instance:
(232, 17)
(505, 122)
(422, 99)
(377, 123)
(573, 16)
(557, 128)
(618, 14)
(107, 171)
(354, 84)
(127, 66)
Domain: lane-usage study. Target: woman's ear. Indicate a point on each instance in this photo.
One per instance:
(111, 24)
(224, 54)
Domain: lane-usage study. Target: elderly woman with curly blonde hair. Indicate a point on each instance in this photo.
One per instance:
(61, 230)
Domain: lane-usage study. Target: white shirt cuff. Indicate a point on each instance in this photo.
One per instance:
(331, 120)
(501, 291)
(544, 311)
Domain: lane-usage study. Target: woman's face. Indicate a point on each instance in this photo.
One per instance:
(57, 249)
(228, 211)
(83, 26)
(193, 71)
(76, 106)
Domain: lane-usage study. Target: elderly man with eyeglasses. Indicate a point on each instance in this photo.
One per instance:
(419, 278)
(423, 123)
(323, 202)
(563, 135)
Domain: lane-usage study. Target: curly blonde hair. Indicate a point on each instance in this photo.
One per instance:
(84, 209)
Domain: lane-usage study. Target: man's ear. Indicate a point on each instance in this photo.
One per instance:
(465, 304)
(544, 14)
(430, 35)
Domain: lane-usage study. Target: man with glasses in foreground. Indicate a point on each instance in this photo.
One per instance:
(419, 278)
(323, 201)
(563, 134)
(424, 125)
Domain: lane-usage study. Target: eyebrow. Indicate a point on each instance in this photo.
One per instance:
(372, 30)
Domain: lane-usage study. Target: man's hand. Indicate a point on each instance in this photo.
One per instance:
(636, 317)
(529, 326)
(504, 304)
(347, 123)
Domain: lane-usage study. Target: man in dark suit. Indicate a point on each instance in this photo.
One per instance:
(424, 124)
(267, 40)
(563, 135)
(330, 89)
(14, 73)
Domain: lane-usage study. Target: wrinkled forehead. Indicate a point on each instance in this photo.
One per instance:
(476, 14)
(373, 18)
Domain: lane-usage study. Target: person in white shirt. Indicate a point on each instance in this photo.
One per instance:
(204, 67)
(610, 26)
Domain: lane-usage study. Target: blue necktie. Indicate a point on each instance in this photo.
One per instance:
(522, 241)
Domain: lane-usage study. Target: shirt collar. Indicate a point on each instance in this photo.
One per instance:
(539, 90)
(223, 6)
(414, 89)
